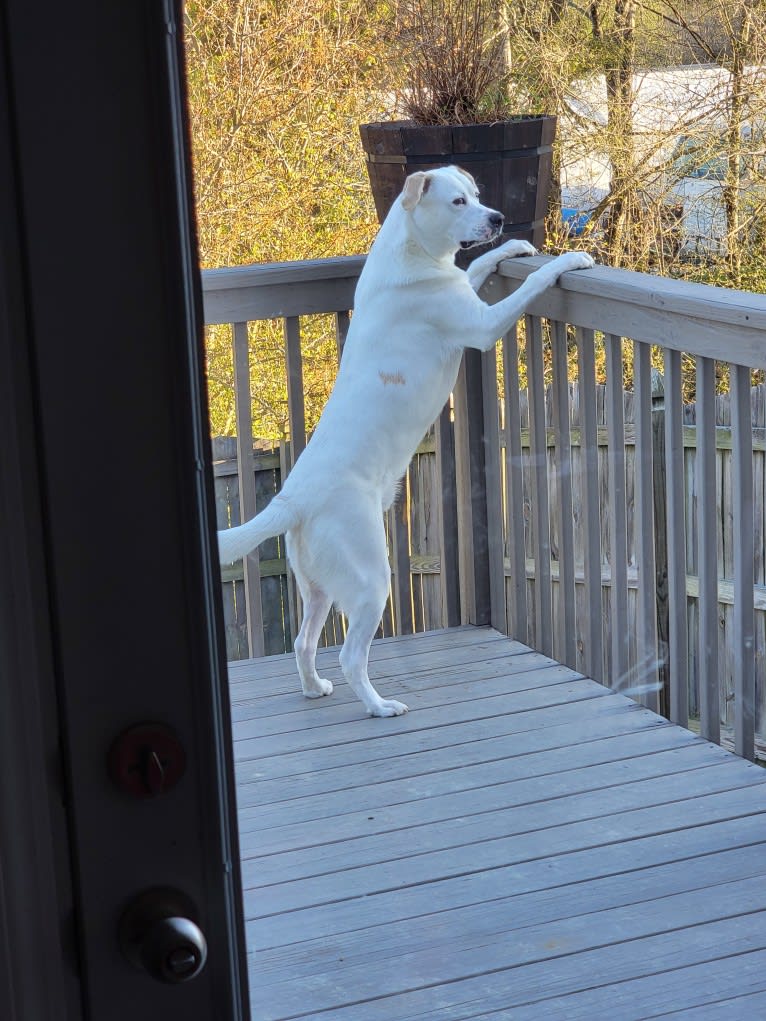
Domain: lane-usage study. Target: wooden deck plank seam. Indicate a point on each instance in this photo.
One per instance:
(461, 873)
(628, 897)
(543, 674)
(420, 668)
(319, 799)
(636, 713)
(390, 731)
(337, 819)
(550, 887)
(710, 914)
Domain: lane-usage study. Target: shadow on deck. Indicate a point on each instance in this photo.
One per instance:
(524, 844)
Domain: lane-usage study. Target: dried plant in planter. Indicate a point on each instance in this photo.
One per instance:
(460, 108)
(453, 60)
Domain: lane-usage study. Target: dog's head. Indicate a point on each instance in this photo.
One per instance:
(445, 210)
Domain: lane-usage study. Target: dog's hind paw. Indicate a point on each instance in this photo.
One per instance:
(319, 686)
(389, 707)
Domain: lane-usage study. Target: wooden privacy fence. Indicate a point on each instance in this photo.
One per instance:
(278, 607)
(602, 528)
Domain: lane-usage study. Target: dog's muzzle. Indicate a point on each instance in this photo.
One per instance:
(492, 231)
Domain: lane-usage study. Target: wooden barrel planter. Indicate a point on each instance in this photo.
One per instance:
(511, 161)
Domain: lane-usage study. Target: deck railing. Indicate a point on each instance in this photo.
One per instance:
(592, 537)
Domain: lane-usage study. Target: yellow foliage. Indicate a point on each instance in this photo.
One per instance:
(276, 93)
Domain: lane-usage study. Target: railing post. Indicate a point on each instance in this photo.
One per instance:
(446, 496)
(477, 446)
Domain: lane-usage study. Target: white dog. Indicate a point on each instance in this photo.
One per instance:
(414, 313)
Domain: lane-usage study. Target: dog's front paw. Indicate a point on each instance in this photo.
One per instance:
(513, 249)
(389, 707)
(574, 260)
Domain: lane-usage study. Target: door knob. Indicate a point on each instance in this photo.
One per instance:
(158, 933)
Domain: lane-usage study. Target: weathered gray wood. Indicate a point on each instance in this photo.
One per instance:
(286, 833)
(748, 1005)
(400, 550)
(447, 521)
(744, 624)
(493, 488)
(707, 555)
(540, 509)
(590, 504)
(342, 323)
(654, 309)
(506, 909)
(252, 585)
(526, 959)
(514, 488)
(538, 886)
(476, 825)
(566, 630)
(676, 542)
(660, 500)
(493, 851)
(277, 290)
(618, 557)
(295, 404)
(322, 795)
(647, 679)
(472, 490)
(294, 601)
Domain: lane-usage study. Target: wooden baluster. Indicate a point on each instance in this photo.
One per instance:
(594, 650)
(647, 676)
(566, 650)
(707, 553)
(538, 444)
(678, 651)
(246, 470)
(744, 622)
(618, 529)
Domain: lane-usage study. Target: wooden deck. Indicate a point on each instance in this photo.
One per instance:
(524, 844)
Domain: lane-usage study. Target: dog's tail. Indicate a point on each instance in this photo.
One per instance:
(234, 543)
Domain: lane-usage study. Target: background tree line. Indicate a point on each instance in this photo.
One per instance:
(277, 91)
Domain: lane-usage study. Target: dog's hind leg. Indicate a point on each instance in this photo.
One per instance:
(367, 575)
(363, 622)
(316, 606)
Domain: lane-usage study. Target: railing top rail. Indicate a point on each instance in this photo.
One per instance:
(269, 274)
(241, 294)
(695, 318)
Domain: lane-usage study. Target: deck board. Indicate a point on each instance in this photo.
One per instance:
(523, 844)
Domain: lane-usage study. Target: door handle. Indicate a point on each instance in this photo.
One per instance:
(158, 932)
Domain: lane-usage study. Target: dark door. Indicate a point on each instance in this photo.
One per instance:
(120, 888)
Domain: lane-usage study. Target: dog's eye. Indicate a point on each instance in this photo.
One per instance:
(458, 202)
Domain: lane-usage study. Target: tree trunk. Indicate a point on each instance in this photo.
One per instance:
(625, 211)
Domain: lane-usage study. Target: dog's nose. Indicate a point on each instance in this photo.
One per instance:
(496, 220)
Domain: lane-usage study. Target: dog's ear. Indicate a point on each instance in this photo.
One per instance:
(466, 174)
(415, 188)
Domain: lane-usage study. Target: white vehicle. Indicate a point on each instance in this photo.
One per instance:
(694, 185)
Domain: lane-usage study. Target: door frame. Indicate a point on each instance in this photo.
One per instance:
(109, 609)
